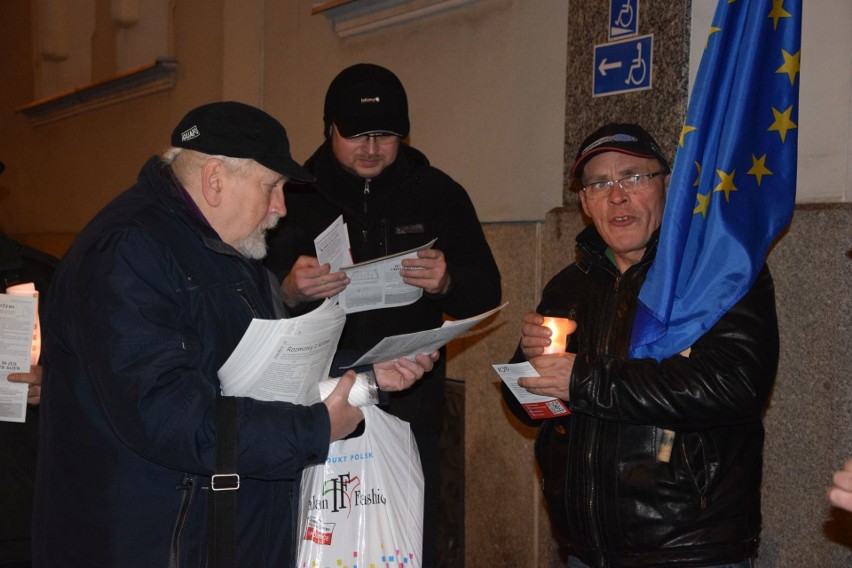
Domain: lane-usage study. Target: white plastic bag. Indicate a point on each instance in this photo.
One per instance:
(364, 505)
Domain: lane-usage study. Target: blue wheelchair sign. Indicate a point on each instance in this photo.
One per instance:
(623, 66)
(623, 18)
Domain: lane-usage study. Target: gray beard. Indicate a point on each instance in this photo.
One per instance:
(254, 245)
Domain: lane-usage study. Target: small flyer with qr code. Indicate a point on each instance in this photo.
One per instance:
(537, 406)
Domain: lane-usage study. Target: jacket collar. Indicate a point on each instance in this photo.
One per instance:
(168, 190)
(594, 249)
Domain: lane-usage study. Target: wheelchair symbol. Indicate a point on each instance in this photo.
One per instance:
(638, 66)
(625, 15)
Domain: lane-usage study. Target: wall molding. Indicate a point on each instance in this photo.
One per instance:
(145, 80)
(354, 17)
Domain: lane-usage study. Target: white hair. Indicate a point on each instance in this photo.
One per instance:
(184, 161)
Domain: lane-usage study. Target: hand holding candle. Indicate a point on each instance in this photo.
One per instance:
(560, 329)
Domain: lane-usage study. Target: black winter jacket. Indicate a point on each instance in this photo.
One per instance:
(404, 207)
(620, 490)
(19, 442)
(146, 306)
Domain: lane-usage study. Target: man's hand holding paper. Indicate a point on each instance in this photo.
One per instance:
(33, 380)
(554, 376)
(539, 404)
(395, 280)
(428, 271)
(309, 281)
(400, 374)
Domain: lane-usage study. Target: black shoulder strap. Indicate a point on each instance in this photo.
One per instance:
(224, 485)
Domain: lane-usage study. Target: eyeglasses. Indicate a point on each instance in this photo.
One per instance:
(380, 139)
(628, 184)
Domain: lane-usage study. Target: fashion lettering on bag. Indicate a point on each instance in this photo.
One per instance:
(345, 492)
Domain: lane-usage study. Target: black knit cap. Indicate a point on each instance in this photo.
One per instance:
(238, 130)
(617, 137)
(366, 98)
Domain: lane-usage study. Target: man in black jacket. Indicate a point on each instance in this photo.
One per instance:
(20, 264)
(659, 463)
(392, 200)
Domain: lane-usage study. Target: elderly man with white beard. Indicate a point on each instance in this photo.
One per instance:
(147, 305)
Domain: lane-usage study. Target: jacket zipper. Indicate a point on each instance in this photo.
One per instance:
(247, 299)
(597, 530)
(365, 209)
(366, 193)
(188, 487)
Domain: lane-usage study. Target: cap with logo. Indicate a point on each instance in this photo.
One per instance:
(618, 137)
(239, 130)
(365, 99)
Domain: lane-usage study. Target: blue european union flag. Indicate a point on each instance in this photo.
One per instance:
(733, 183)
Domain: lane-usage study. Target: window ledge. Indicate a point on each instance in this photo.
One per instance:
(353, 17)
(145, 80)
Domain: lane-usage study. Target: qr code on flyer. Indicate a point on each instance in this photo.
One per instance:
(556, 407)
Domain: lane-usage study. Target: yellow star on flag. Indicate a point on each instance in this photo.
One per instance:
(726, 185)
(758, 168)
(703, 203)
(713, 30)
(778, 12)
(791, 65)
(698, 175)
(782, 123)
(684, 131)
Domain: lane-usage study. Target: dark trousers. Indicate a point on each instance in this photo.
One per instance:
(430, 459)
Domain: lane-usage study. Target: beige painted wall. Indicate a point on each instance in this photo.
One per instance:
(59, 174)
(486, 87)
(485, 84)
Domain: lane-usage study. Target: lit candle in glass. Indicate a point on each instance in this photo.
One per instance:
(560, 329)
(28, 289)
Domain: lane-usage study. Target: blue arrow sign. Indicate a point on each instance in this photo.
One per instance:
(623, 66)
(623, 18)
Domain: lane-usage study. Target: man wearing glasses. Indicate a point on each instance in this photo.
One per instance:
(659, 463)
(391, 200)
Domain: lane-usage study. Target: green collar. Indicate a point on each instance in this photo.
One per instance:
(611, 257)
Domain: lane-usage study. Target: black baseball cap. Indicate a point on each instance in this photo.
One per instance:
(238, 130)
(366, 98)
(618, 137)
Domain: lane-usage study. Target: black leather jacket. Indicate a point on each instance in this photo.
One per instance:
(659, 463)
